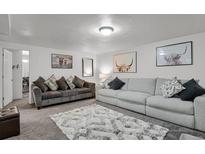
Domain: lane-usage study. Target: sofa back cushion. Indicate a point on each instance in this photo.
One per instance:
(146, 85)
(126, 83)
(159, 83)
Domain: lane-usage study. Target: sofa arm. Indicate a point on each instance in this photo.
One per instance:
(37, 96)
(98, 87)
(91, 86)
(199, 111)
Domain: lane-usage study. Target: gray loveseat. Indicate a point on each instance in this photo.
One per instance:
(42, 99)
(143, 95)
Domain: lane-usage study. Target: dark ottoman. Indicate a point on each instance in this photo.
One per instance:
(9, 122)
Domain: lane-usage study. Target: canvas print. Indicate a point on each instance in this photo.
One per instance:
(61, 61)
(125, 63)
(175, 54)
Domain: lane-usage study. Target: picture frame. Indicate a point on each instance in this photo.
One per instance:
(125, 62)
(61, 61)
(87, 67)
(178, 54)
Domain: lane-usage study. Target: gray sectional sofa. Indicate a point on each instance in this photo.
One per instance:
(42, 99)
(143, 95)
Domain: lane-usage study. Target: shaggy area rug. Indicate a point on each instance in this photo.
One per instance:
(95, 122)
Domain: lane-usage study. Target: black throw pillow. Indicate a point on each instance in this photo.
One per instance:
(116, 84)
(193, 89)
(62, 85)
(40, 83)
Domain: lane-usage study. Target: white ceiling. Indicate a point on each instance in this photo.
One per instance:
(80, 32)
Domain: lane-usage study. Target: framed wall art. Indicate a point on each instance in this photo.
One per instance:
(125, 62)
(61, 61)
(175, 54)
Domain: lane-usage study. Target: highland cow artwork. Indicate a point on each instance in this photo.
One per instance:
(125, 63)
(175, 54)
(61, 61)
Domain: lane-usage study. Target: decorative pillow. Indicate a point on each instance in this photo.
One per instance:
(172, 87)
(193, 89)
(70, 84)
(78, 82)
(40, 83)
(70, 78)
(51, 83)
(116, 84)
(62, 85)
(105, 83)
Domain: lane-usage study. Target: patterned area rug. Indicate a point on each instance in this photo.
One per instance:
(95, 122)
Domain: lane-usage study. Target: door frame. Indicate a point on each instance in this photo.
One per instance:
(10, 48)
(3, 76)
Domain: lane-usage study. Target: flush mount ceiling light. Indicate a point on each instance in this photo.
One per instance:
(24, 52)
(25, 60)
(106, 30)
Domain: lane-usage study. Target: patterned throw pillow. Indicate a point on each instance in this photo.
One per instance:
(70, 84)
(51, 83)
(172, 87)
(70, 79)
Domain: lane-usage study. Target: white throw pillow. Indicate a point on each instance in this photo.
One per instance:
(70, 78)
(171, 87)
(70, 84)
(105, 83)
(51, 83)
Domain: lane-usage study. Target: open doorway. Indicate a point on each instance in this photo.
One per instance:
(25, 73)
(15, 75)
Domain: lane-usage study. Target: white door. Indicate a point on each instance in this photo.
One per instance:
(7, 77)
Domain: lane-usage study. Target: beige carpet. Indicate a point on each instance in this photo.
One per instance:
(37, 125)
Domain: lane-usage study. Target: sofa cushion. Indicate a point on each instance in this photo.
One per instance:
(51, 94)
(172, 87)
(70, 84)
(145, 85)
(51, 83)
(124, 87)
(62, 85)
(82, 90)
(66, 93)
(116, 84)
(171, 104)
(133, 96)
(108, 92)
(160, 81)
(78, 82)
(193, 89)
(106, 81)
(40, 83)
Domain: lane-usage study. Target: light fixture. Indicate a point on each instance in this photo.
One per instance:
(24, 52)
(25, 60)
(106, 30)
